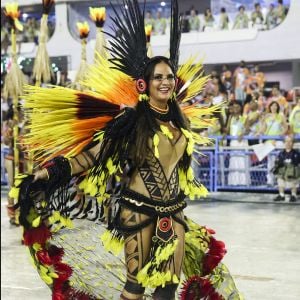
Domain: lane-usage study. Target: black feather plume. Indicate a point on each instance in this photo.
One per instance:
(175, 33)
(128, 48)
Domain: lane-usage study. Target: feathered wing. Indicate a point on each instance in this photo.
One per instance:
(62, 121)
(191, 81)
(111, 83)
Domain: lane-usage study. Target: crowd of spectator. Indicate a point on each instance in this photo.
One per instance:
(193, 21)
(250, 108)
(251, 114)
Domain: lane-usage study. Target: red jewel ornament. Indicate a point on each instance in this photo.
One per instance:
(141, 85)
(165, 224)
(164, 229)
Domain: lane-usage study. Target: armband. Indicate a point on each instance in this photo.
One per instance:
(59, 169)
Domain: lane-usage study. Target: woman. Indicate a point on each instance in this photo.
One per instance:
(208, 20)
(252, 123)
(238, 163)
(137, 161)
(273, 124)
(160, 79)
(224, 19)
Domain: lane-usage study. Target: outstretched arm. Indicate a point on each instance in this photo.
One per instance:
(79, 163)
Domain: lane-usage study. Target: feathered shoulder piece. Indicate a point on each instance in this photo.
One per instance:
(62, 121)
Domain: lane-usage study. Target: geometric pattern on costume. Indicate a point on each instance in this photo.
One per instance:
(156, 182)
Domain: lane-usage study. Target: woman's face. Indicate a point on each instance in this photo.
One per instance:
(273, 108)
(161, 84)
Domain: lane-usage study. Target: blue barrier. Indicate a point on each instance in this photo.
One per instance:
(4, 152)
(237, 168)
(215, 167)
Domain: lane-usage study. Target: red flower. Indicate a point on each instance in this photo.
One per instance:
(215, 296)
(210, 262)
(55, 253)
(196, 288)
(43, 257)
(70, 293)
(58, 295)
(36, 235)
(216, 247)
(209, 230)
(214, 255)
(57, 285)
(63, 271)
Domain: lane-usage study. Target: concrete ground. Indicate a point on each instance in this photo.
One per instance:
(262, 240)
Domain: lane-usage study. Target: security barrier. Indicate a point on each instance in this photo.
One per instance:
(4, 152)
(223, 167)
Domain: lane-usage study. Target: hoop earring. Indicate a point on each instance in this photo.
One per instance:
(141, 86)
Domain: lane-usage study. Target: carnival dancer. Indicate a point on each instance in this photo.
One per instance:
(134, 168)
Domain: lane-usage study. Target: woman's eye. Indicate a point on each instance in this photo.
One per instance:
(157, 77)
(171, 77)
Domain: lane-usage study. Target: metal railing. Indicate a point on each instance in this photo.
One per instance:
(224, 167)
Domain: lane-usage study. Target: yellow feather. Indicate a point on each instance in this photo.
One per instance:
(191, 72)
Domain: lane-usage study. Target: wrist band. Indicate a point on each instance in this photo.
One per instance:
(59, 169)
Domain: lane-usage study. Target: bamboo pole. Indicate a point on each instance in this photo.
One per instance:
(15, 107)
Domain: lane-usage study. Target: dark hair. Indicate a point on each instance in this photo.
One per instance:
(223, 9)
(239, 104)
(243, 63)
(207, 10)
(241, 7)
(256, 4)
(278, 106)
(221, 86)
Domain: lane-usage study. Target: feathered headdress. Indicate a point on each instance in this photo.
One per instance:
(12, 13)
(110, 82)
(130, 57)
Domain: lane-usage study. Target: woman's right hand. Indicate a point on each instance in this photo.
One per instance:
(41, 174)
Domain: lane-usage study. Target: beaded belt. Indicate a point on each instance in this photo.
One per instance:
(143, 204)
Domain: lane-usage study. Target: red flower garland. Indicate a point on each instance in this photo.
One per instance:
(36, 235)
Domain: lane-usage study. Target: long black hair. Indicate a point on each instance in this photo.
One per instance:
(146, 122)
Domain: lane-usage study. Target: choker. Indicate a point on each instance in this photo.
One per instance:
(165, 116)
(159, 110)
